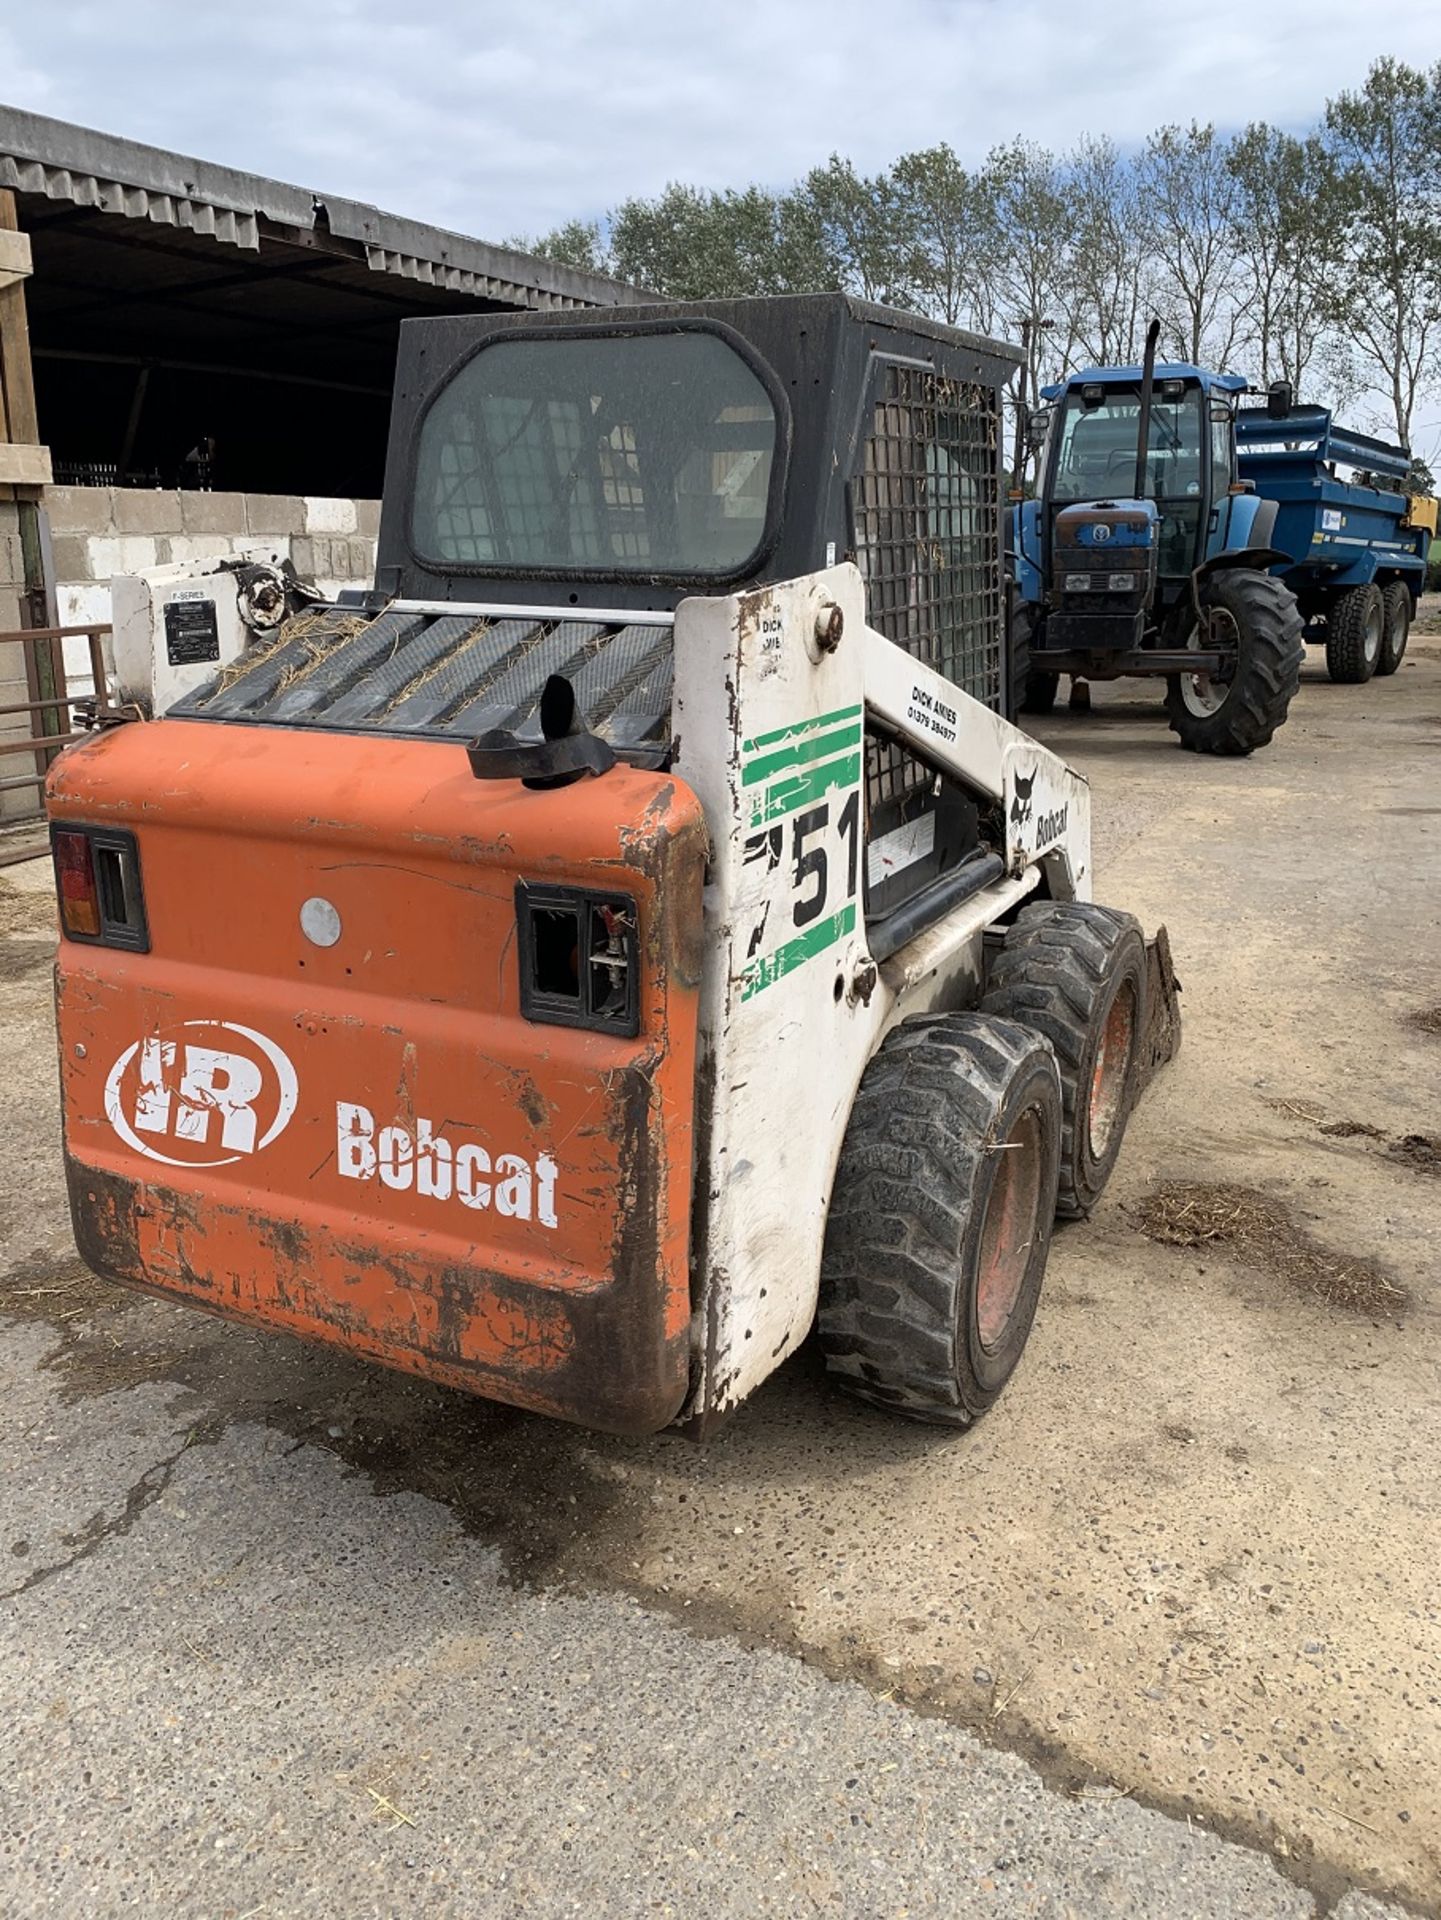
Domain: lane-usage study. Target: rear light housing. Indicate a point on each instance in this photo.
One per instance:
(97, 884)
(579, 958)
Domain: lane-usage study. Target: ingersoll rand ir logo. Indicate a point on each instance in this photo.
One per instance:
(202, 1094)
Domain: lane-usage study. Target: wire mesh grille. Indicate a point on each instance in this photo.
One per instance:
(928, 537)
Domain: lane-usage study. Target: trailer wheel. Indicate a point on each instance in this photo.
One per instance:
(1395, 626)
(940, 1219)
(1077, 974)
(1256, 618)
(1355, 629)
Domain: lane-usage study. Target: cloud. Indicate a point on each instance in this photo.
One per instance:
(497, 120)
(23, 82)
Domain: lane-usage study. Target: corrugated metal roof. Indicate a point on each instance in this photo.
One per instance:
(88, 169)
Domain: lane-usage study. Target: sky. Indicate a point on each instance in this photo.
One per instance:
(504, 120)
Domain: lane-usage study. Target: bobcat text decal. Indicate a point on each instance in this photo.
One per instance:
(1051, 826)
(428, 1163)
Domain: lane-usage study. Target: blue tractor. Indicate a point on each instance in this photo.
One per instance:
(1144, 553)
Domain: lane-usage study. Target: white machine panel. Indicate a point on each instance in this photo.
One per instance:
(175, 627)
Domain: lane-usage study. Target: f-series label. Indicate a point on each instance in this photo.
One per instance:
(424, 1161)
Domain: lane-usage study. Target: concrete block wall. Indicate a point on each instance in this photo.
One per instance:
(97, 532)
(101, 531)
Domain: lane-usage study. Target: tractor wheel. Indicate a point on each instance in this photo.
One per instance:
(1395, 626)
(1077, 974)
(1031, 692)
(1355, 629)
(1040, 692)
(941, 1215)
(1255, 617)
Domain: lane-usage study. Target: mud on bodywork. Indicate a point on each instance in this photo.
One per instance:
(582, 1311)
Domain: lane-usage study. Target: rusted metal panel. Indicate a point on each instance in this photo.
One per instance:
(353, 1134)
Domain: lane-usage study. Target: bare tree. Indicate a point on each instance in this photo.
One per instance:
(1188, 196)
(1383, 286)
(1283, 237)
(1107, 304)
(1033, 242)
(951, 221)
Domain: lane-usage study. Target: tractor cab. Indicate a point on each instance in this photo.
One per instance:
(1187, 471)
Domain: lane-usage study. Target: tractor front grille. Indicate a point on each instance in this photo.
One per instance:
(926, 508)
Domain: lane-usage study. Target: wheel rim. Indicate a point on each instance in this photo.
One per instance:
(1204, 693)
(1010, 1229)
(1112, 1071)
(1374, 629)
(1397, 626)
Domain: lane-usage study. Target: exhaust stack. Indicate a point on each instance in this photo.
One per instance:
(1143, 430)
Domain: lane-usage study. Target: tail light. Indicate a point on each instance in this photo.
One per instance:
(97, 879)
(578, 958)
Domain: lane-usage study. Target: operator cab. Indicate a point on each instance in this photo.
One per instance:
(558, 484)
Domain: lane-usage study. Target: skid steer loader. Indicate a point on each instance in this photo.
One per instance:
(633, 934)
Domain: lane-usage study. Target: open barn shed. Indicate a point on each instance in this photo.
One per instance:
(193, 359)
(175, 304)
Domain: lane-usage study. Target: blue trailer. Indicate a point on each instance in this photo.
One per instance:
(1357, 546)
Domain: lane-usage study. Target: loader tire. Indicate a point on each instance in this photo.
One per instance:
(1238, 715)
(1077, 974)
(1355, 630)
(1395, 626)
(941, 1215)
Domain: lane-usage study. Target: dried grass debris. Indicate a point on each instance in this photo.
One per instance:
(1258, 1231)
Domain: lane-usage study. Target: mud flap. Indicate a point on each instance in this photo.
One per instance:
(1161, 1039)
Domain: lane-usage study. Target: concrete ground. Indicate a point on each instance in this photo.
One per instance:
(287, 1635)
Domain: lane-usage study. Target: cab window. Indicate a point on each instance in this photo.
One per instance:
(645, 453)
(1096, 455)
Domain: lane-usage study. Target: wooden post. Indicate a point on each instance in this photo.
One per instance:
(29, 463)
(22, 425)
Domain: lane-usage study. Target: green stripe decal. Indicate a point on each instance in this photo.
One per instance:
(799, 728)
(784, 796)
(819, 747)
(764, 973)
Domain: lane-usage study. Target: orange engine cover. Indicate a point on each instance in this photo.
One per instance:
(365, 1141)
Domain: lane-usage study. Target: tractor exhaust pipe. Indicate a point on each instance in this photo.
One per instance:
(1143, 430)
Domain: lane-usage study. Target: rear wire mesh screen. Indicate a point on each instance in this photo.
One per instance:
(927, 515)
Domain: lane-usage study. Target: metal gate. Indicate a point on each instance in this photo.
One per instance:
(51, 711)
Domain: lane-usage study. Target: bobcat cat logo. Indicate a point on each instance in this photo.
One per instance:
(1021, 805)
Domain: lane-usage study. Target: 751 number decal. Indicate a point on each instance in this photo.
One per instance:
(810, 864)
